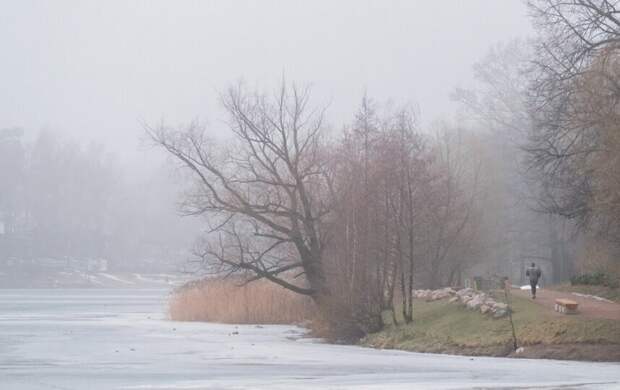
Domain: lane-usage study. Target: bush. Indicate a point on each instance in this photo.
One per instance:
(343, 323)
(227, 300)
(595, 279)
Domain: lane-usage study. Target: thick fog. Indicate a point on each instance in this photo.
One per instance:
(80, 80)
(181, 181)
(94, 70)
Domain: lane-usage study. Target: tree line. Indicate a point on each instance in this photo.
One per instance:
(65, 201)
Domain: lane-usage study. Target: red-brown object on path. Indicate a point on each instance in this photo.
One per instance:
(566, 306)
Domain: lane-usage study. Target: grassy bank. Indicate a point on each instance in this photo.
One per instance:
(443, 327)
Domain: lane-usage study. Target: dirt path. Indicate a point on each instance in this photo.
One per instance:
(588, 307)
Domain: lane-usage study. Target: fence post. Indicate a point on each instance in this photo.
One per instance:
(509, 303)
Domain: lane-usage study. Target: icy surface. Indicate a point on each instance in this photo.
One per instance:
(119, 339)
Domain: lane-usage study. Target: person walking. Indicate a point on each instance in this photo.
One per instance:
(534, 273)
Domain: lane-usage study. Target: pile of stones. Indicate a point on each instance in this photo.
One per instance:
(470, 298)
(434, 295)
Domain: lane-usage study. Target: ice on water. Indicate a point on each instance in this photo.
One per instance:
(121, 339)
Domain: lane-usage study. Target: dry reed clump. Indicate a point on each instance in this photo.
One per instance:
(227, 301)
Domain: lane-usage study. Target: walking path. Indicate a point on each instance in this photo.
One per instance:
(588, 307)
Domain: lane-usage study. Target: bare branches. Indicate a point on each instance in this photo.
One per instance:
(578, 45)
(574, 31)
(265, 195)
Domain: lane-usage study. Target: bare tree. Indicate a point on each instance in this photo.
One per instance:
(573, 102)
(265, 196)
(573, 32)
(572, 36)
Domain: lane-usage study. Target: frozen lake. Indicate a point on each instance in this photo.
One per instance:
(120, 339)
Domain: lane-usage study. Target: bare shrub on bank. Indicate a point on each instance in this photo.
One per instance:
(229, 301)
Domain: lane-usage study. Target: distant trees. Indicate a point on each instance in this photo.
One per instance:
(68, 188)
(64, 201)
(516, 228)
(42, 190)
(12, 166)
(56, 198)
(551, 108)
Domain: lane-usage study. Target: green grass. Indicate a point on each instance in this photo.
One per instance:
(442, 326)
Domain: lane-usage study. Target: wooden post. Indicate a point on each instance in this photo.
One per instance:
(509, 303)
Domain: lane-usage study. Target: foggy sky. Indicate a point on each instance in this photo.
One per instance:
(95, 69)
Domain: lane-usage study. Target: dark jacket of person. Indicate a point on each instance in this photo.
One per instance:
(533, 273)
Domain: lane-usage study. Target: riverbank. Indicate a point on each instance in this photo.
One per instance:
(443, 327)
(440, 326)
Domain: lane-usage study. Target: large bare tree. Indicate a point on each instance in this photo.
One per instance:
(266, 194)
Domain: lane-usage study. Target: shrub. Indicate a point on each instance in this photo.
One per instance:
(595, 279)
(228, 300)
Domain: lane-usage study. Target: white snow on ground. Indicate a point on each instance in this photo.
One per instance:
(115, 278)
(162, 279)
(146, 279)
(120, 339)
(596, 298)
